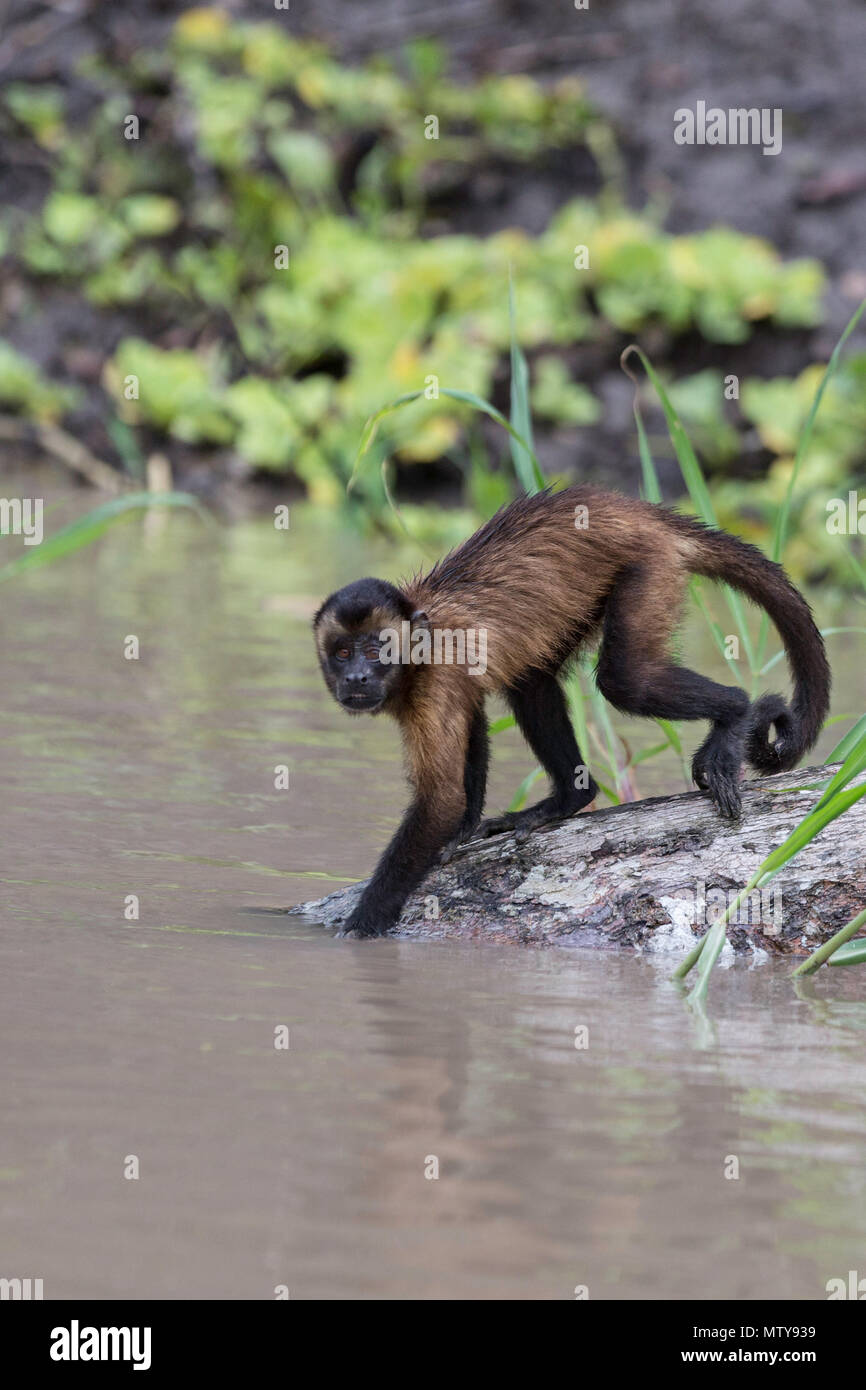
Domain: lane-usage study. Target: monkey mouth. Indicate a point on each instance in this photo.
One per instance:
(361, 703)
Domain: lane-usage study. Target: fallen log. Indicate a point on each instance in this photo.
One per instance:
(648, 874)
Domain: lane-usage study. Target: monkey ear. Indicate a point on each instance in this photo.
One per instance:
(420, 619)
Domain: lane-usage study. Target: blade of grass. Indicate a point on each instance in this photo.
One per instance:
(718, 635)
(806, 831)
(802, 834)
(525, 463)
(844, 746)
(715, 942)
(805, 438)
(853, 762)
(817, 958)
(825, 632)
(782, 520)
(695, 484)
(651, 487)
(94, 524)
(464, 397)
(691, 959)
(518, 801)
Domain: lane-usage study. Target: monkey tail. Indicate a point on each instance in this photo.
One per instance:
(724, 557)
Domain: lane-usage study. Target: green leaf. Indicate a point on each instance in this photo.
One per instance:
(852, 953)
(149, 214)
(71, 218)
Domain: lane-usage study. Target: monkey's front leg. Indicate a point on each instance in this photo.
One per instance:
(425, 829)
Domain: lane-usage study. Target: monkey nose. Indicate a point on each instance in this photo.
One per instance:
(356, 678)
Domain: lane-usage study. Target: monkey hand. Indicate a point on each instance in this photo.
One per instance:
(716, 769)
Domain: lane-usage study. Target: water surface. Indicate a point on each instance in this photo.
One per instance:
(154, 1036)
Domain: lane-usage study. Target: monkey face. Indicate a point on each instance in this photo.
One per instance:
(350, 628)
(354, 674)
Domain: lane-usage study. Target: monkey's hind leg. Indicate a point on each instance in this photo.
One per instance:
(636, 675)
(542, 716)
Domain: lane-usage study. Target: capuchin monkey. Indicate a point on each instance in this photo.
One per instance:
(544, 577)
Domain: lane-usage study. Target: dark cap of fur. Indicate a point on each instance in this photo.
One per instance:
(352, 605)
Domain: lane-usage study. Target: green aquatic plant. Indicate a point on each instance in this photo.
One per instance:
(278, 223)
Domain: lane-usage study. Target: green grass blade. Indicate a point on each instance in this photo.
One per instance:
(522, 455)
(94, 524)
(805, 438)
(518, 801)
(817, 958)
(854, 762)
(651, 489)
(807, 830)
(646, 753)
(715, 941)
(717, 634)
(844, 746)
(686, 457)
(469, 398)
(782, 520)
(695, 485)
(825, 632)
(691, 959)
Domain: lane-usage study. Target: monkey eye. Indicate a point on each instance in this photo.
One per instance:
(342, 653)
(371, 651)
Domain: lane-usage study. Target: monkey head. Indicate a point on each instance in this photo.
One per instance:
(351, 629)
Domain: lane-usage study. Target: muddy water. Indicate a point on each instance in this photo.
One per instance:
(153, 1037)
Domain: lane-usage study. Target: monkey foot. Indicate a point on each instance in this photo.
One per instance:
(465, 833)
(522, 823)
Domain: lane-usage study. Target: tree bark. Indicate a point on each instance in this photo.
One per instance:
(648, 874)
